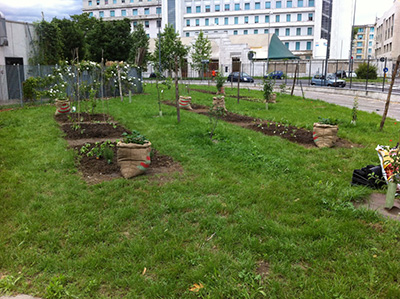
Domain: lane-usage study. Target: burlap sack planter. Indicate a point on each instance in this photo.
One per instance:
(62, 107)
(184, 103)
(325, 135)
(219, 102)
(133, 159)
(272, 98)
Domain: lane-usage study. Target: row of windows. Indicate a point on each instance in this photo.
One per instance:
(360, 36)
(90, 2)
(146, 24)
(360, 44)
(246, 20)
(248, 6)
(124, 12)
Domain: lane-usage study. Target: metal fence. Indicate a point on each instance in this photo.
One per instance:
(12, 78)
(305, 69)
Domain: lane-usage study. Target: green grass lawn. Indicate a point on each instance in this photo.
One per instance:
(251, 216)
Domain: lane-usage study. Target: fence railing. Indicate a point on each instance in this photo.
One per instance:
(12, 78)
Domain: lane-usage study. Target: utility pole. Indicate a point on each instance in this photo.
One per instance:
(351, 43)
(329, 16)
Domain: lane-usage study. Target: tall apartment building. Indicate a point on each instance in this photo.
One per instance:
(298, 23)
(364, 42)
(388, 33)
(148, 12)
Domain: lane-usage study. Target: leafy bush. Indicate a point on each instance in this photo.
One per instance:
(30, 89)
(328, 121)
(220, 80)
(135, 137)
(268, 89)
(364, 69)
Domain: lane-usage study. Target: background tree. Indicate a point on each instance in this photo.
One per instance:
(48, 45)
(201, 50)
(139, 41)
(72, 38)
(364, 70)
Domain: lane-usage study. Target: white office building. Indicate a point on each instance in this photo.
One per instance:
(299, 24)
(147, 12)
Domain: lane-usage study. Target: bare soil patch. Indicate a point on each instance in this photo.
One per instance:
(294, 134)
(376, 202)
(93, 129)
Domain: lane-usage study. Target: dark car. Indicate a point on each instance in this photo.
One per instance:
(233, 77)
(154, 75)
(275, 75)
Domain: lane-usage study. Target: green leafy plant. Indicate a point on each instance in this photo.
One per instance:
(268, 89)
(134, 137)
(8, 283)
(282, 88)
(364, 70)
(220, 80)
(215, 114)
(99, 150)
(30, 89)
(354, 111)
(328, 121)
(56, 288)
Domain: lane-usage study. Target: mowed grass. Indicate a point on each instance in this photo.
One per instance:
(251, 216)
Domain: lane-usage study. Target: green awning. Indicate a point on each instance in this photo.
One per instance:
(277, 50)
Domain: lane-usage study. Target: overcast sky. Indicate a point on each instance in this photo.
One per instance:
(31, 10)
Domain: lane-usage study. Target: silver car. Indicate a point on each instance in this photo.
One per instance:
(330, 80)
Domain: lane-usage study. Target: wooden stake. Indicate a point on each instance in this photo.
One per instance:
(294, 80)
(390, 93)
(178, 111)
(119, 83)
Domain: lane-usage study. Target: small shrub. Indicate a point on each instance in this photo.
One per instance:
(134, 137)
(364, 70)
(30, 89)
(328, 121)
(220, 80)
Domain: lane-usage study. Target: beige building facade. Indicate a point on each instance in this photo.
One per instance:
(364, 42)
(388, 33)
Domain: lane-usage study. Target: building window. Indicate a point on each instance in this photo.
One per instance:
(277, 18)
(147, 11)
(187, 23)
(98, 2)
(359, 51)
(371, 36)
(235, 32)
(158, 23)
(146, 24)
(106, 2)
(266, 31)
(358, 57)
(158, 10)
(369, 50)
(287, 32)
(134, 24)
(257, 5)
(359, 44)
(370, 44)
(236, 20)
(112, 13)
(256, 19)
(311, 3)
(299, 3)
(131, 1)
(289, 4)
(122, 1)
(208, 9)
(91, 14)
(277, 32)
(288, 18)
(134, 12)
(227, 7)
(266, 19)
(237, 6)
(114, 1)
(198, 9)
(308, 45)
(268, 4)
(299, 17)
(359, 36)
(287, 45)
(360, 29)
(255, 31)
(207, 22)
(278, 4)
(245, 32)
(187, 34)
(310, 17)
(372, 29)
(309, 31)
(247, 6)
(197, 22)
(90, 3)
(297, 46)
(298, 31)
(226, 21)
(246, 20)
(189, 9)
(217, 7)
(123, 13)
(216, 21)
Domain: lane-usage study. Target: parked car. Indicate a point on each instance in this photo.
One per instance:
(154, 75)
(345, 74)
(330, 80)
(275, 75)
(233, 77)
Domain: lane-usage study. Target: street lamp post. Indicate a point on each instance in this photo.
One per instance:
(159, 38)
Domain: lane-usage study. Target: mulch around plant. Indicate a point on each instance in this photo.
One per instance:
(294, 134)
(91, 129)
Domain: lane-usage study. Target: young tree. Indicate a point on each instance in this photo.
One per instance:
(201, 50)
(72, 38)
(140, 47)
(173, 53)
